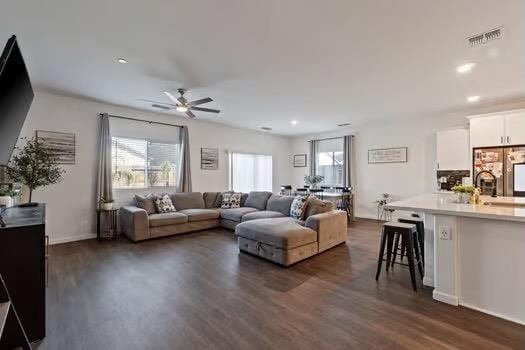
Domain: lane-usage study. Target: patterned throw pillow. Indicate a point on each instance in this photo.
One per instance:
(146, 202)
(297, 210)
(231, 200)
(164, 204)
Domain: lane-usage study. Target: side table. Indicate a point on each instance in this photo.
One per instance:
(111, 223)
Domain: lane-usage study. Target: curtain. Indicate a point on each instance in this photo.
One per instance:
(184, 175)
(104, 179)
(349, 167)
(314, 146)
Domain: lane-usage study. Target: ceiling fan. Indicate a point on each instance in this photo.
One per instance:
(181, 104)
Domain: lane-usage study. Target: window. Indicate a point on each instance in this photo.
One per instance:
(250, 172)
(330, 161)
(140, 163)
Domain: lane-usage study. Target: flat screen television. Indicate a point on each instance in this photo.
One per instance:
(16, 95)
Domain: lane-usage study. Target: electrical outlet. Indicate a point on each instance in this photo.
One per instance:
(445, 233)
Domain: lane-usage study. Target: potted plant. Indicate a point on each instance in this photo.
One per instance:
(313, 180)
(34, 166)
(463, 193)
(106, 204)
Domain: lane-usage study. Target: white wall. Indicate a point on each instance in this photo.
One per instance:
(71, 203)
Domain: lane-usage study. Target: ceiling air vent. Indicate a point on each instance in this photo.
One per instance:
(485, 37)
(344, 124)
(265, 128)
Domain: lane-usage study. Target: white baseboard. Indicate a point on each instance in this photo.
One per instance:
(72, 238)
(445, 298)
(508, 318)
(429, 282)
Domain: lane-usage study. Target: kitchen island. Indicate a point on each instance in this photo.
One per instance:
(475, 254)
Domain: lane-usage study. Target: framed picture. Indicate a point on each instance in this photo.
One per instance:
(209, 158)
(61, 145)
(388, 155)
(299, 160)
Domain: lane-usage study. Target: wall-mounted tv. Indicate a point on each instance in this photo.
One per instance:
(16, 95)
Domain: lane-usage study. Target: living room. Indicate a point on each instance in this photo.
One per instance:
(222, 116)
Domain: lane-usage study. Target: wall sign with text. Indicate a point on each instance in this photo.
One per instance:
(388, 155)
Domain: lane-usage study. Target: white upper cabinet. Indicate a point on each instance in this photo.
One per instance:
(515, 128)
(487, 131)
(452, 149)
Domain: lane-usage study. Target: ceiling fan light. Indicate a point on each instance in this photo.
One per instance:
(182, 109)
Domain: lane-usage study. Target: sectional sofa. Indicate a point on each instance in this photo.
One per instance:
(262, 224)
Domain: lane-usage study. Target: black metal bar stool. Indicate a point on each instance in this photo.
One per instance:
(420, 235)
(393, 231)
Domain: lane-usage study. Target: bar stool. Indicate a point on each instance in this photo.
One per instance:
(301, 191)
(393, 231)
(286, 190)
(420, 236)
(318, 192)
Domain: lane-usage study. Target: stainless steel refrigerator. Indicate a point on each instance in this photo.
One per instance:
(500, 161)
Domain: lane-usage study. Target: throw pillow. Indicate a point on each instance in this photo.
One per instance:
(146, 202)
(231, 200)
(164, 204)
(297, 210)
(317, 206)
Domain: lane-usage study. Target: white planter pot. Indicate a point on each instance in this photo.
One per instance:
(463, 198)
(107, 206)
(7, 201)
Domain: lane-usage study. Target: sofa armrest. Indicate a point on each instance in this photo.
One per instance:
(331, 228)
(134, 223)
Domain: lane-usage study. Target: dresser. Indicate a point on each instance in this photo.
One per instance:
(23, 265)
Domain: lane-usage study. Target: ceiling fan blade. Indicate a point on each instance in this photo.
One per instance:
(200, 102)
(156, 105)
(209, 110)
(171, 97)
(158, 102)
(182, 101)
(191, 115)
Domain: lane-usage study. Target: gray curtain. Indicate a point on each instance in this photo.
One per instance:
(314, 146)
(349, 168)
(104, 180)
(184, 176)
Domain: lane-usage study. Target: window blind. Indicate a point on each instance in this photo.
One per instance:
(251, 172)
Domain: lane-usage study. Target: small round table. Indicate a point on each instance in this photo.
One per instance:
(112, 222)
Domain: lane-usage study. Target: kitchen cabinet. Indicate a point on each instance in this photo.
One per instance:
(497, 129)
(453, 149)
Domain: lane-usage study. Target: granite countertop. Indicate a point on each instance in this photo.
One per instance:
(500, 208)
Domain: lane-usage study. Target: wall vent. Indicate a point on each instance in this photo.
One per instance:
(485, 37)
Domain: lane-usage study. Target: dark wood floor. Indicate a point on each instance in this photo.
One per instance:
(197, 292)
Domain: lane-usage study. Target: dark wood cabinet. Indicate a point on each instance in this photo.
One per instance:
(23, 265)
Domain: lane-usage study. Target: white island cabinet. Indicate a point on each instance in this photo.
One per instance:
(475, 254)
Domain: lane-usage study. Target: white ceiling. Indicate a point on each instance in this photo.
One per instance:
(267, 62)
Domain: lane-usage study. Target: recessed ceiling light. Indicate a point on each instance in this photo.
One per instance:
(472, 99)
(465, 68)
(122, 60)
(182, 109)
(293, 122)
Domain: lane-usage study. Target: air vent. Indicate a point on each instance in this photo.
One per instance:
(265, 128)
(344, 124)
(485, 37)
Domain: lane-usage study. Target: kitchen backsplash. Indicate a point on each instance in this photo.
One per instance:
(450, 178)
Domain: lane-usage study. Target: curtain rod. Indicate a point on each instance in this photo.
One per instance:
(330, 138)
(141, 120)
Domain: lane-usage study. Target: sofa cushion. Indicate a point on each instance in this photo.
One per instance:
(282, 233)
(236, 214)
(210, 199)
(146, 202)
(200, 214)
(163, 204)
(263, 214)
(187, 200)
(316, 206)
(281, 204)
(257, 199)
(165, 219)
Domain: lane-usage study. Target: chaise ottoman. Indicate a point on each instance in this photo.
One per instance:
(281, 240)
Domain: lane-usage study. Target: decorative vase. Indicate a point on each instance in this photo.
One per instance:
(107, 206)
(463, 198)
(6, 201)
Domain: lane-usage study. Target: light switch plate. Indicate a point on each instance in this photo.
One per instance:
(445, 233)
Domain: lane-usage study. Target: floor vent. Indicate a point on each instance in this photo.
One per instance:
(485, 37)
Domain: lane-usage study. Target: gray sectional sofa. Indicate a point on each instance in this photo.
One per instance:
(262, 223)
